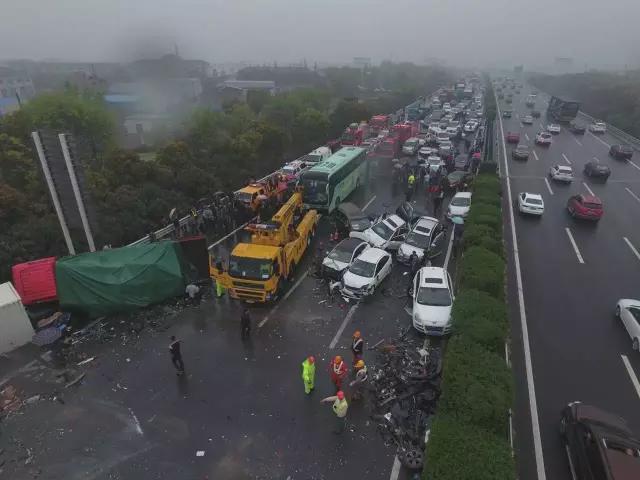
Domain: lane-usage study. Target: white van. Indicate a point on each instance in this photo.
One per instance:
(317, 156)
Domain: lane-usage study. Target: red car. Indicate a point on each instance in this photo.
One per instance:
(513, 137)
(587, 207)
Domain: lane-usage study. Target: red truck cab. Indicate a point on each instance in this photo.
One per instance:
(353, 135)
(379, 122)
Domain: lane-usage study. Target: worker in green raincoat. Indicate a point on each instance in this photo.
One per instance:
(308, 373)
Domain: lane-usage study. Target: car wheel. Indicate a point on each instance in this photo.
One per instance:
(636, 344)
(572, 212)
(617, 311)
(563, 427)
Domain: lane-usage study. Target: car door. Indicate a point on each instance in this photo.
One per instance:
(385, 268)
(378, 277)
(630, 322)
(397, 238)
(450, 286)
(437, 241)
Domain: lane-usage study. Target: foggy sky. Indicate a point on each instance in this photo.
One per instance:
(460, 32)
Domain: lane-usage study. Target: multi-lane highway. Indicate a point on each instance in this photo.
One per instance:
(566, 343)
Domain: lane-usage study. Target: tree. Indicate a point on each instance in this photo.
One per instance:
(310, 129)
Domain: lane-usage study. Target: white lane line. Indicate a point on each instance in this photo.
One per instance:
(449, 248)
(634, 165)
(395, 470)
(632, 374)
(369, 203)
(599, 139)
(633, 249)
(346, 320)
(566, 159)
(632, 194)
(533, 403)
(535, 155)
(546, 181)
(588, 189)
(136, 423)
(577, 141)
(596, 159)
(283, 299)
(527, 137)
(574, 245)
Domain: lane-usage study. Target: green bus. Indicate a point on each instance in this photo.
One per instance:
(330, 182)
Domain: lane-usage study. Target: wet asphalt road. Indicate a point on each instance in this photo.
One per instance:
(577, 346)
(241, 403)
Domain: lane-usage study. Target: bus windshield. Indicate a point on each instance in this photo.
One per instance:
(250, 268)
(315, 191)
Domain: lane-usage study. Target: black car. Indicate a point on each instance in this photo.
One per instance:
(507, 113)
(456, 178)
(600, 445)
(597, 170)
(535, 113)
(349, 217)
(577, 129)
(521, 152)
(624, 152)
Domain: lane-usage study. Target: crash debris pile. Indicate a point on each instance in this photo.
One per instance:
(9, 400)
(406, 386)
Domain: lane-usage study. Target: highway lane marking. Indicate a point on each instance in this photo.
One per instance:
(632, 374)
(546, 181)
(588, 189)
(566, 159)
(283, 299)
(599, 139)
(535, 155)
(577, 141)
(346, 320)
(633, 249)
(369, 202)
(574, 245)
(596, 159)
(395, 470)
(449, 248)
(632, 194)
(634, 165)
(533, 403)
(527, 137)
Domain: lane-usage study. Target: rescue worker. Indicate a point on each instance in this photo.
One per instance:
(357, 346)
(245, 324)
(308, 373)
(414, 263)
(338, 371)
(340, 407)
(219, 287)
(176, 355)
(359, 381)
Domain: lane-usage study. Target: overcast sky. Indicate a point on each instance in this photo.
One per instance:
(460, 32)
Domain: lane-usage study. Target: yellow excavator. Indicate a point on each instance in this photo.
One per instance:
(258, 271)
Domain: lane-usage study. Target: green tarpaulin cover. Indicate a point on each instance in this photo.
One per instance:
(121, 279)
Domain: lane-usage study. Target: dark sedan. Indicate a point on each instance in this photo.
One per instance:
(521, 152)
(600, 445)
(457, 178)
(349, 217)
(624, 152)
(577, 129)
(535, 114)
(597, 170)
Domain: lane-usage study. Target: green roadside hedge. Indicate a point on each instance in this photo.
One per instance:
(484, 236)
(481, 318)
(459, 451)
(469, 436)
(483, 270)
(476, 386)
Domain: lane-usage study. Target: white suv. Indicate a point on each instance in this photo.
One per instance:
(543, 138)
(561, 173)
(598, 127)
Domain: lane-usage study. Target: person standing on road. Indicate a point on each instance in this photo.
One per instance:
(414, 262)
(176, 355)
(338, 371)
(340, 407)
(245, 323)
(437, 202)
(309, 373)
(359, 381)
(357, 346)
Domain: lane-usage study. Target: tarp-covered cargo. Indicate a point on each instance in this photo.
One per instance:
(120, 280)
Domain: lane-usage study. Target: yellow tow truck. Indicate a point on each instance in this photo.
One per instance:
(258, 271)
